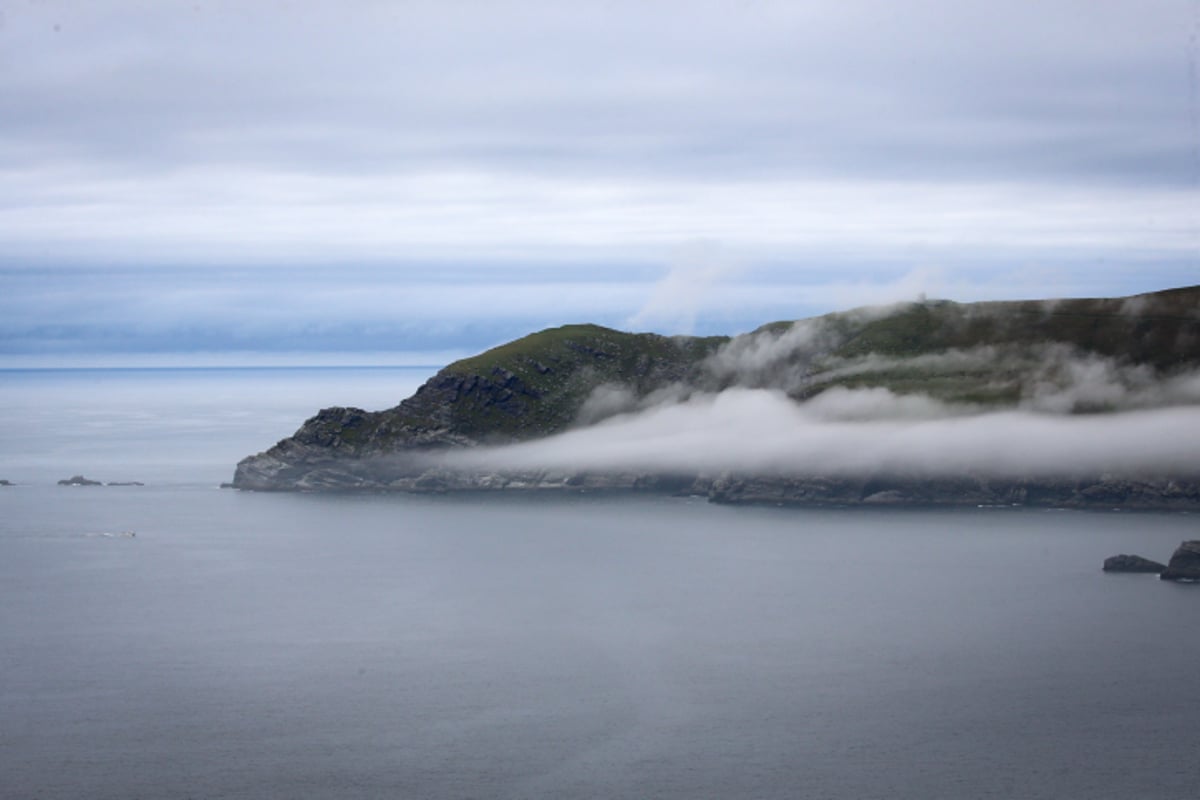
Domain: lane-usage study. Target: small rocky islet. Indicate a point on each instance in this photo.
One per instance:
(1131, 563)
(1183, 566)
(80, 480)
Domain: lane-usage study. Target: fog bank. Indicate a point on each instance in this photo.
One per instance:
(849, 432)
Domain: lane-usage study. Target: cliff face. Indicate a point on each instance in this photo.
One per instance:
(534, 387)
(1069, 356)
(1184, 564)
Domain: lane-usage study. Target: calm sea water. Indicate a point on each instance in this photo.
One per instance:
(170, 426)
(303, 646)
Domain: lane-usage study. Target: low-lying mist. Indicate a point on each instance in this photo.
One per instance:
(856, 431)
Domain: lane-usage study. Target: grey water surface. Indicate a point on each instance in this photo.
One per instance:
(248, 645)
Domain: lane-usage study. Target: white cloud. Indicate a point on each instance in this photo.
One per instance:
(839, 145)
(692, 283)
(857, 432)
(251, 215)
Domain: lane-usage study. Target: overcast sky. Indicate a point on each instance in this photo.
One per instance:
(418, 179)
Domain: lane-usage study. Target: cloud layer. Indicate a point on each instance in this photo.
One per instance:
(825, 150)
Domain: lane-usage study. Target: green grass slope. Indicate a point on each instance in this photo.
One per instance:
(531, 387)
(1005, 352)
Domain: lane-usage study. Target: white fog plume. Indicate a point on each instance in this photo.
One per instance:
(781, 356)
(687, 288)
(610, 399)
(1050, 377)
(847, 432)
(1057, 378)
(1066, 382)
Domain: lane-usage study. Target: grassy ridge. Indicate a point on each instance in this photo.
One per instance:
(1158, 329)
(537, 385)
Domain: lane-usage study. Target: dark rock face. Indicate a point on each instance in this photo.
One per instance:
(1185, 563)
(1130, 563)
(79, 480)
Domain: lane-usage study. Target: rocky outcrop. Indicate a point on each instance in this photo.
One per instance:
(79, 480)
(296, 467)
(1132, 563)
(345, 449)
(1184, 564)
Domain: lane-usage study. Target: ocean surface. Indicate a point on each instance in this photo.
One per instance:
(176, 640)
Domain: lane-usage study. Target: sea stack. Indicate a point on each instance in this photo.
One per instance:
(1185, 563)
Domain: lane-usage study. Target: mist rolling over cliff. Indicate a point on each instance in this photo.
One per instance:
(761, 431)
(1008, 398)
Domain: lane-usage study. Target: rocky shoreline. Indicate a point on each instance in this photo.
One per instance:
(317, 470)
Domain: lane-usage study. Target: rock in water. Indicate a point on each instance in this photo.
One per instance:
(1185, 563)
(1130, 563)
(78, 480)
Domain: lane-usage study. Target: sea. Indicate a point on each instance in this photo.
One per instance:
(178, 640)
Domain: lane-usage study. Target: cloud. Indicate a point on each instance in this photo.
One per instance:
(782, 357)
(349, 309)
(1065, 382)
(439, 306)
(830, 148)
(855, 432)
(675, 302)
(252, 214)
(238, 128)
(740, 90)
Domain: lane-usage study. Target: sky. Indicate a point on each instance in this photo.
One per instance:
(407, 182)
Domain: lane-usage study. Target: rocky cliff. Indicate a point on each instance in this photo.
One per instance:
(1184, 564)
(534, 387)
(1071, 357)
